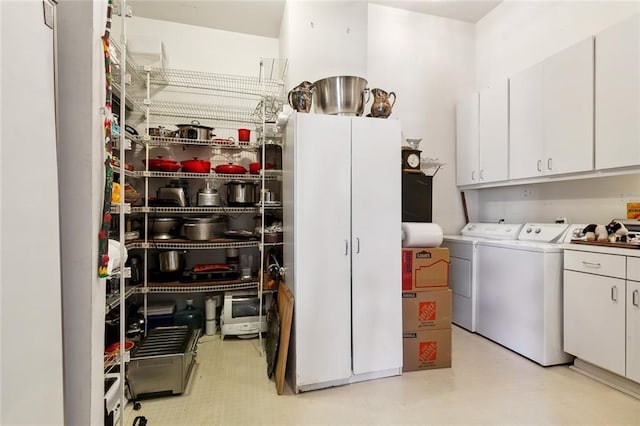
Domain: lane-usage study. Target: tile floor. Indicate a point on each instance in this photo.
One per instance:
(487, 384)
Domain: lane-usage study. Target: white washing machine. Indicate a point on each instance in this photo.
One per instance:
(463, 276)
(520, 291)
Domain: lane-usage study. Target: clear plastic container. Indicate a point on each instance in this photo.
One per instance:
(189, 316)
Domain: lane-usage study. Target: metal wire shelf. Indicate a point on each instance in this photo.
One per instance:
(163, 141)
(214, 82)
(178, 287)
(270, 175)
(113, 300)
(193, 245)
(213, 113)
(201, 210)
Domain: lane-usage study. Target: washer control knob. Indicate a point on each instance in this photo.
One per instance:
(528, 230)
(538, 230)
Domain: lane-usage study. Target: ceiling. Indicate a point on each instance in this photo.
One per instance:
(263, 17)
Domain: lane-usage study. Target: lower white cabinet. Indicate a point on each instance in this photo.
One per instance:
(594, 319)
(602, 310)
(342, 245)
(633, 331)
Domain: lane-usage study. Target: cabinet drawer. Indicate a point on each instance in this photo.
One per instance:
(609, 265)
(633, 268)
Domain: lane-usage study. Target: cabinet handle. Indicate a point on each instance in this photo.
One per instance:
(346, 247)
(473, 175)
(636, 298)
(481, 174)
(539, 165)
(357, 245)
(591, 264)
(614, 293)
(549, 164)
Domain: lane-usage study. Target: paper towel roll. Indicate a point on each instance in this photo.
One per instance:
(421, 234)
(210, 327)
(210, 308)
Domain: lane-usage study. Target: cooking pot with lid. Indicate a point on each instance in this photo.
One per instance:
(171, 261)
(241, 193)
(208, 197)
(195, 131)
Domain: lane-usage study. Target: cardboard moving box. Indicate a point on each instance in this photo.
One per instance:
(425, 268)
(426, 310)
(425, 350)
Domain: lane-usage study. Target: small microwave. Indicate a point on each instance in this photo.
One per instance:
(241, 313)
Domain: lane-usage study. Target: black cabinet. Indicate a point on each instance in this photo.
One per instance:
(416, 197)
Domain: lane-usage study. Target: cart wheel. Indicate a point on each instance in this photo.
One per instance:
(137, 406)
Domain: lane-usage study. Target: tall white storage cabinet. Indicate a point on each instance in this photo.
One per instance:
(342, 212)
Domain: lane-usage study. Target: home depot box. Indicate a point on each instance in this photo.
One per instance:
(426, 310)
(425, 268)
(633, 210)
(425, 350)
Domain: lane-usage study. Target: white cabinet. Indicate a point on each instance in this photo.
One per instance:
(602, 310)
(594, 319)
(342, 197)
(617, 95)
(482, 145)
(467, 141)
(633, 331)
(494, 133)
(551, 113)
(526, 148)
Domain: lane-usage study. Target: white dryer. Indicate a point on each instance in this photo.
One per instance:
(463, 276)
(520, 291)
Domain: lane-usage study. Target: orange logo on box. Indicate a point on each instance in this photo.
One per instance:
(427, 311)
(428, 351)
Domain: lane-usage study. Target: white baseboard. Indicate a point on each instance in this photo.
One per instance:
(608, 378)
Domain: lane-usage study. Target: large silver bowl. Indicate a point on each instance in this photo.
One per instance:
(341, 95)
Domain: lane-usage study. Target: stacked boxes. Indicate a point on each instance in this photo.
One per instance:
(426, 308)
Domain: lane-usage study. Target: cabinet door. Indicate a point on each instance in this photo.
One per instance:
(633, 330)
(376, 240)
(618, 95)
(494, 133)
(594, 319)
(467, 150)
(322, 268)
(567, 100)
(525, 128)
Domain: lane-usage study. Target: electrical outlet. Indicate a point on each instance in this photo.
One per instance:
(527, 193)
(562, 219)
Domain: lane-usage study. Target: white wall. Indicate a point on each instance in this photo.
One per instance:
(202, 49)
(324, 39)
(512, 37)
(428, 62)
(31, 318)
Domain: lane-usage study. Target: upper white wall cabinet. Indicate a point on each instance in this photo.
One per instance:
(494, 133)
(551, 112)
(467, 141)
(482, 140)
(618, 95)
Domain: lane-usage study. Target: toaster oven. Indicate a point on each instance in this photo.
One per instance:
(241, 313)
